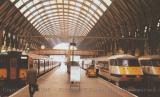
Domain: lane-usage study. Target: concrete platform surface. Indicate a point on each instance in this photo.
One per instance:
(56, 84)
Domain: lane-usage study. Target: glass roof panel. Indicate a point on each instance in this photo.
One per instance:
(103, 7)
(96, 2)
(108, 2)
(93, 7)
(87, 3)
(30, 4)
(35, 1)
(78, 4)
(59, 1)
(23, 9)
(64, 16)
(12, 0)
(19, 3)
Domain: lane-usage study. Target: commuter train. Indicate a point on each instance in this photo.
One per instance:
(13, 65)
(119, 68)
(89, 66)
(151, 66)
(86, 63)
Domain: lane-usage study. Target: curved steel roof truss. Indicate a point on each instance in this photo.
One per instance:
(63, 16)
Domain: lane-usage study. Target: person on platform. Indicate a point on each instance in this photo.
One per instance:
(32, 80)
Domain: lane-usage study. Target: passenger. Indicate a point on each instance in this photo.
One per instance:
(32, 80)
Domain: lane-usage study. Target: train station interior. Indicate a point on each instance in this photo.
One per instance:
(80, 48)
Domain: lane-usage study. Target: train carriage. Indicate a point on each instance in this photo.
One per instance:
(151, 66)
(89, 66)
(14, 65)
(23, 67)
(101, 64)
(120, 68)
(3, 66)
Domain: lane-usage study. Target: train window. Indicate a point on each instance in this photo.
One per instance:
(125, 62)
(122, 62)
(145, 62)
(42, 63)
(2, 65)
(24, 63)
(35, 62)
(2, 62)
(156, 63)
(128, 62)
(103, 64)
(106, 66)
(113, 62)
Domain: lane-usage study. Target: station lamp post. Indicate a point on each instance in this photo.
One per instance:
(73, 44)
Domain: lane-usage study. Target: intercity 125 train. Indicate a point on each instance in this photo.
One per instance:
(13, 65)
(120, 68)
(151, 66)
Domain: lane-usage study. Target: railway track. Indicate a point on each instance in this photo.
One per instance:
(144, 89)
(9, 87)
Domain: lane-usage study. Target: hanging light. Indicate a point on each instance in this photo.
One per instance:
(3, 50)
(42, 46)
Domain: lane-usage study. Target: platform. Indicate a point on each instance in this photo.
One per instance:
(56, 84)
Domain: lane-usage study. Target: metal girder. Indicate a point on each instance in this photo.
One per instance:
(32, 8)
(87, 37)
(133, 15)
(65, 52)
(15, 23)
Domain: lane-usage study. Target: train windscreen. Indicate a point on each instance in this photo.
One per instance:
(2, 62)
(103, 64)
(24, 62)
(156, 62)
(2, 65)
(145, 62)
(128, 62)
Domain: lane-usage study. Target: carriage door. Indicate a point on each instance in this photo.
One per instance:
(13, 68)
(36, 65)
(82, 64)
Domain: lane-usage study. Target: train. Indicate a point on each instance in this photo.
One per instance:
(89, 65)
(151, 67)
(14, 65)
(119, 69)
(86, 63)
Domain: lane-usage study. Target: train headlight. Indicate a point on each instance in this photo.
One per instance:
(138, 77)
(124, 77)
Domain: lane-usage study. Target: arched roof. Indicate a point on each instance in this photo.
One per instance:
(63, 17)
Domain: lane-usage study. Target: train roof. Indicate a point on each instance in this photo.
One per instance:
(125, 56)
(35, 56)
(84, 59)
(104, 58)
(149, 57)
